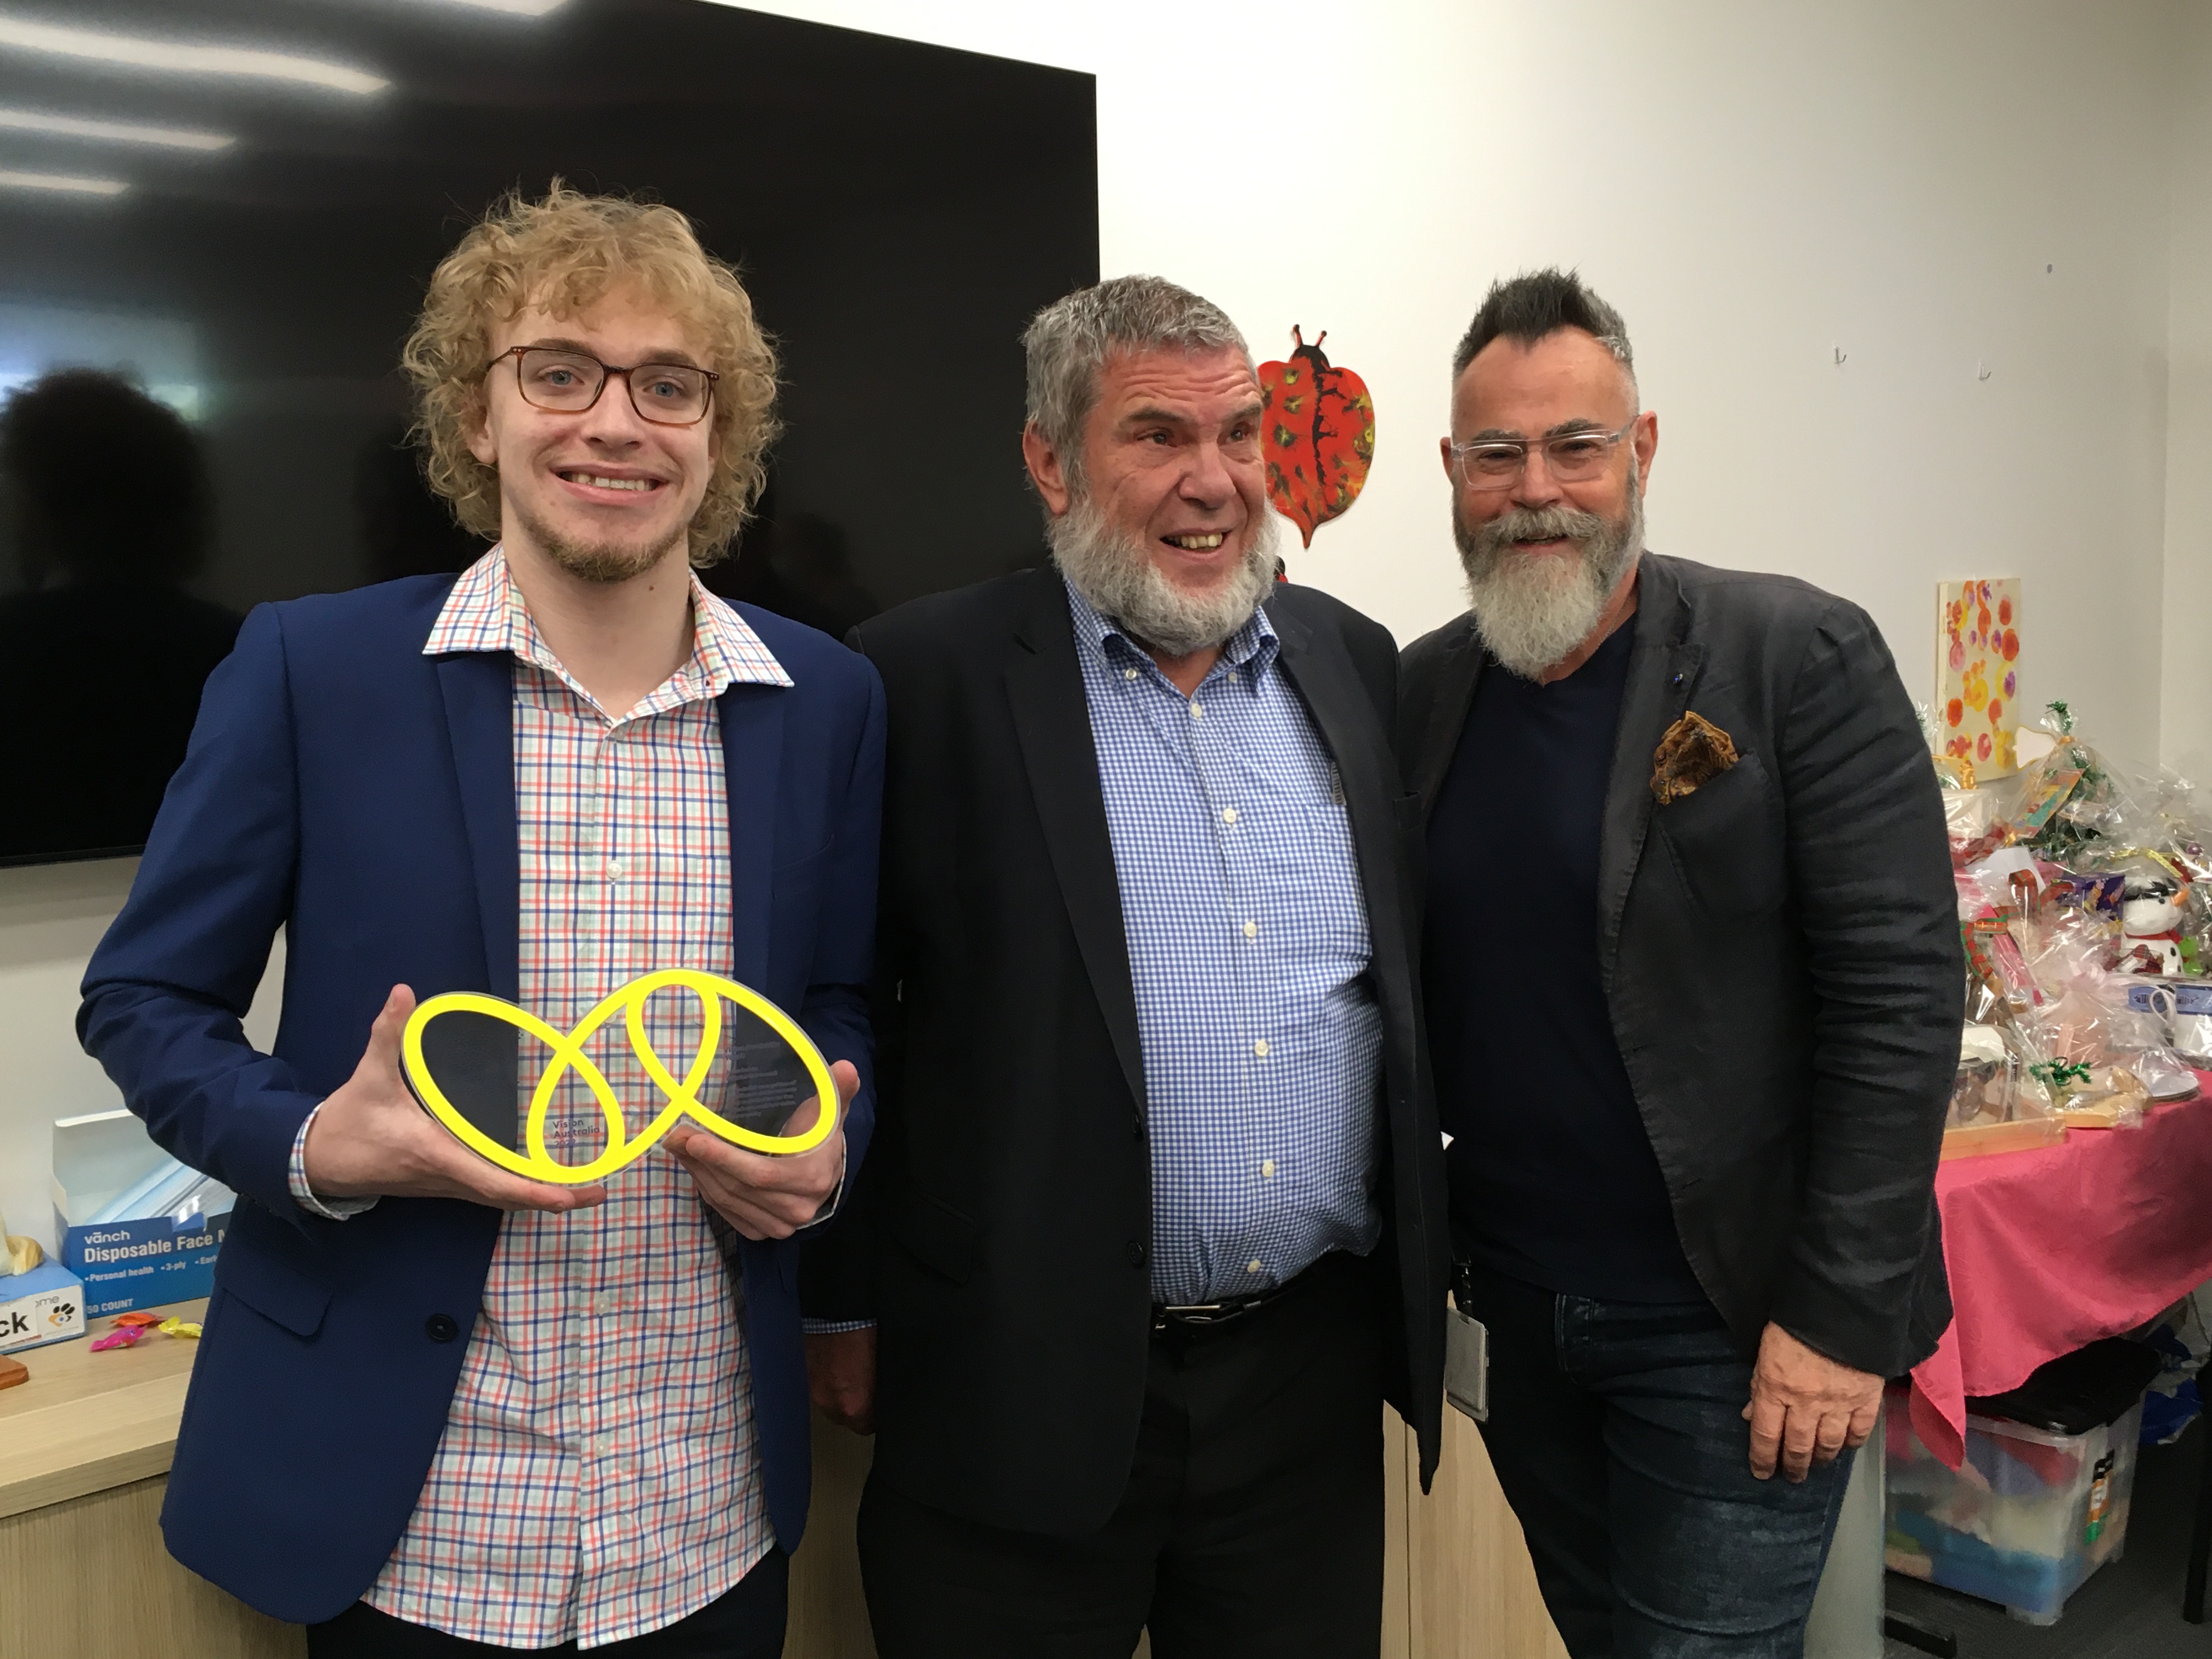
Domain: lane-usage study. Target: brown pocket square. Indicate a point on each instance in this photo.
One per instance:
(1694, 751)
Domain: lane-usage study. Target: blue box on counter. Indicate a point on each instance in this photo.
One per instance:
(129, 1265)
(135, 1225)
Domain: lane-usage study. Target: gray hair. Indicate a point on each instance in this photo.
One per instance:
(1069, 342)
(1536, 303)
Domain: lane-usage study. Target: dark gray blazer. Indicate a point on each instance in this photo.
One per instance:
(998, 1234)
(1780, 951)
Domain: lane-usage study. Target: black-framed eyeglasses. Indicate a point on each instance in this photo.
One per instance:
(569, 382)
(1572, 457)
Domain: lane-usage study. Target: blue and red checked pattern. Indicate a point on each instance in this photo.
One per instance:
(597, 1478)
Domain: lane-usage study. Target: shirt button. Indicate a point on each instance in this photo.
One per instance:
(1268, 1168)
(604, 1303)
(1251, 930)
(1260, 1047)
(614, 869)
(1253, 1266)
(1138, 1254)
(1128, 673)
(1229, 814)
(1197, 711)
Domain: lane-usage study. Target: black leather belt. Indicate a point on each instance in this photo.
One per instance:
(1231, 1308)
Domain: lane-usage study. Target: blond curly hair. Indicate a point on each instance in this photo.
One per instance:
(564, 253)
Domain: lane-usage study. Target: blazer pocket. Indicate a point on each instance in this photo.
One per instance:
(279, 1293)
(936, 1235)
(788, 866)
(1725, 839)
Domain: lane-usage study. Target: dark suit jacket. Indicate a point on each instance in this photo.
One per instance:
(1011, 1190)
(344, 786)
(1780, 951)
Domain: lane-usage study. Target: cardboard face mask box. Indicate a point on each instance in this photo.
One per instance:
(135, 1265)
(139, 1228)
(45, 1304)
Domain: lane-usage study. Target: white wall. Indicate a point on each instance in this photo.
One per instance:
(50, 920)
(50, 917)
(1931, 186)
(2186, 699)
(1752, 185)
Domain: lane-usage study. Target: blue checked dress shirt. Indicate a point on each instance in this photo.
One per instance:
(1249, 949)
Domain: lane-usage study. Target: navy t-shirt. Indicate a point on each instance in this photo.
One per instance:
(1553, 1180)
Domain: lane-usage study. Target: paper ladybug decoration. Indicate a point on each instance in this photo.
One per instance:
(1318, 435)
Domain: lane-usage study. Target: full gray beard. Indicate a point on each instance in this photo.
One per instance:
(1532, 610)
(1115, 573)
(605, 563)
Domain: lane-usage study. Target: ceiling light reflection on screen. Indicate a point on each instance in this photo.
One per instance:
(184, 57)
(118, 132)
(64, 183)
(519, 8)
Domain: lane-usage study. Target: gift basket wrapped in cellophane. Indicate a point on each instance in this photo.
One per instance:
(2085, 905)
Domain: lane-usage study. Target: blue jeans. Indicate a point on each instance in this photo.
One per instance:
(1617, 1431)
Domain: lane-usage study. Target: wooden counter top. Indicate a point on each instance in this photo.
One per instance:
(87, 1421)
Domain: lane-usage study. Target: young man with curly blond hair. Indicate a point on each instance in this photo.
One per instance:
(440, 1408)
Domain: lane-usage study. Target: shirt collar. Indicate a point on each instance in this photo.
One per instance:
(485, 613)
(1248, 651)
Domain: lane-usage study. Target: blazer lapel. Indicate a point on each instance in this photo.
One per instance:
(753, 753)
(1322, 679)
(1438, 743)
(1052, 722)
(477, 688)
(1663, 673)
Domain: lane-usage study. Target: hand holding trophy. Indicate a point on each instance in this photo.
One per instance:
(765, 1156)
(371, 1139)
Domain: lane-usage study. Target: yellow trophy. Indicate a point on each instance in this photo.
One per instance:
(461, 1055)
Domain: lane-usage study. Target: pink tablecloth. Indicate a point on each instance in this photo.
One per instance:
(2052, 1248)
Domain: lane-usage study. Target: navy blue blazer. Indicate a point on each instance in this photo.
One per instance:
(345, 788)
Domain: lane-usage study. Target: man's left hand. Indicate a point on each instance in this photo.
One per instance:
(763, 1195)
(1805, 1407)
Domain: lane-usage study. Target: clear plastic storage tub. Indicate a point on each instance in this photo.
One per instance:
(2026, 1519)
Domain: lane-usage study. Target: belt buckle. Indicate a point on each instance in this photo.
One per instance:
(1199, 1313)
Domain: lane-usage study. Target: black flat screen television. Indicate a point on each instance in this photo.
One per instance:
(217, 222)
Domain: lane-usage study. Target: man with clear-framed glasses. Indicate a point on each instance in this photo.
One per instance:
(440, 1408)
(1696, 1091)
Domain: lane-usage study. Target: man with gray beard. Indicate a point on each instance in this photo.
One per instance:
(1693, 982)
(1156, 1198)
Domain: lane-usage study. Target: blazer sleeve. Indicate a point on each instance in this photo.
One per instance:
(165, 993)
(1871, 868)
(835, 1012)
(837, 1276)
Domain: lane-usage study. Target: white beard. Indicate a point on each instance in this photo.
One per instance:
(1116, 575)
(1532, 610)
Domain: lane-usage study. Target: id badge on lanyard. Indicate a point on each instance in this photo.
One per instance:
(1467, 1352)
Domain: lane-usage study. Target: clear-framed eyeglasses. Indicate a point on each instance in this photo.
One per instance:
(1570, 457)
(570, 382)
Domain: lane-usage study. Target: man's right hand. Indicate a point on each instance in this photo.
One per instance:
(371, 1139)
(841, 1377)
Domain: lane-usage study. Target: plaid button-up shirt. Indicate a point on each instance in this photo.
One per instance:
(1248, 952)
(598, 1477)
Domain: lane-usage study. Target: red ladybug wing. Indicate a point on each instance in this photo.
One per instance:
(1346, 448)
(1286, 392)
